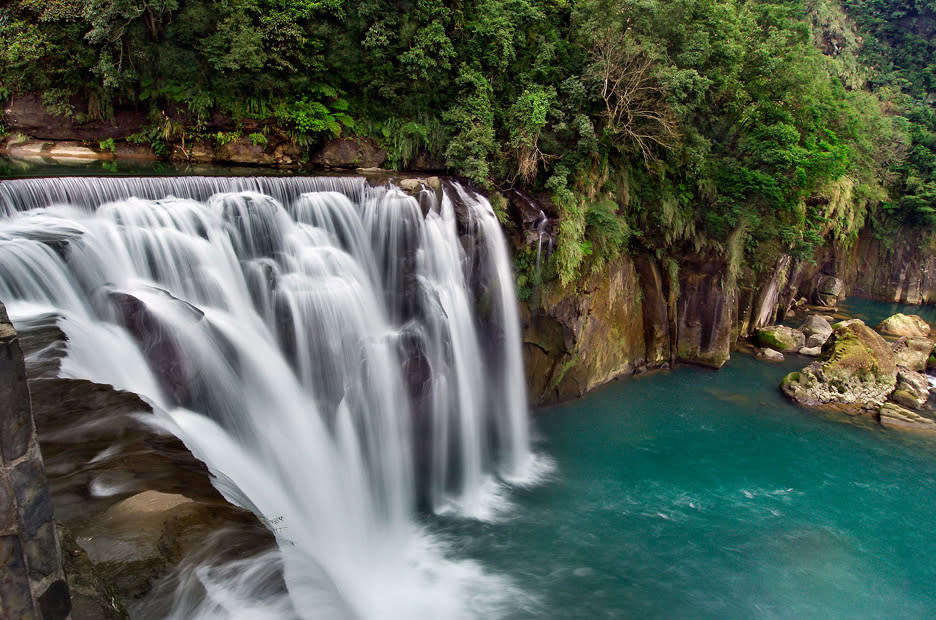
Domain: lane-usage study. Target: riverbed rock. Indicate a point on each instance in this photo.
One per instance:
(909, 325)
(410, 185)
(782, 338)
(857, 368)
(817, 330)
(829, 290)
(912, 389)
(892, 414)
(810, 351)
(912, 352)
(769, 355)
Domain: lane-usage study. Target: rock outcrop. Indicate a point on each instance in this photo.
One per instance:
(829, 290)
(32, 582)
(907, 325)
(913, 352)
(130, 498)
(577, 341)
(782, 338)
(705, 314)
(350, 153)
(893, 415)
(856, 369)
(816, 329)
(912, 389)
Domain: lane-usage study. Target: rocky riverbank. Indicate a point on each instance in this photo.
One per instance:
(863, 371)
(130, 500)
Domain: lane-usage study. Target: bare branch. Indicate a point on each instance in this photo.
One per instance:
(635, 107)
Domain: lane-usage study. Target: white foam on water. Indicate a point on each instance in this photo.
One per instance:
(318, 343)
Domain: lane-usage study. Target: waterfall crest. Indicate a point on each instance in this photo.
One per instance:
(340, 355)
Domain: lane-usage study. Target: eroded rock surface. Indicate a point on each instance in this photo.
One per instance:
(912, 352)
(857, 368)
(909, 325)
(133, 499)
(816, 329)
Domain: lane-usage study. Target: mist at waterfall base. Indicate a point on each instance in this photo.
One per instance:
(344, 358)
(680, 494)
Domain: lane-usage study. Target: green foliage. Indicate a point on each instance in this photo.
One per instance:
(607, 233)
(472, 117)
(404, 140)
(310, 119)
(660, 125)
(107, 145)
(225, 137)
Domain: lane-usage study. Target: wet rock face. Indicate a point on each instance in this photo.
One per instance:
(131, 499)
(32, 583)
(704, 315)
(857, 368)
(177, 376)
(350, 153)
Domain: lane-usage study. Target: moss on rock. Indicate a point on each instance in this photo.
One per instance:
(856, 368)
(781, 338)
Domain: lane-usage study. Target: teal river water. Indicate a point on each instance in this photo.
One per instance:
(700, 494)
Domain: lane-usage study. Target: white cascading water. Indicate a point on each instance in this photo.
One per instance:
(338, 354)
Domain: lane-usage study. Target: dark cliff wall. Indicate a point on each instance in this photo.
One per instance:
(32, 584)
(634, 315)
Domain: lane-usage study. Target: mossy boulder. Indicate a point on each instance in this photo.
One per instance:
(781, 338)
(857, 368)
(909, 325)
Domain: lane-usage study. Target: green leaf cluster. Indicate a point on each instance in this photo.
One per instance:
(721, 126)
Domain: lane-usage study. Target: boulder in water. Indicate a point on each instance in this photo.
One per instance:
(856, 368)
(781, 338)
(769, 355)
(811, 351)
(817, 330)
(909, 325)
(828, 291)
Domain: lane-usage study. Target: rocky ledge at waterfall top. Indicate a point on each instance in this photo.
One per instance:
(860, 372)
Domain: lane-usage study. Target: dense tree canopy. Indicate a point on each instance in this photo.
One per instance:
(660, 125)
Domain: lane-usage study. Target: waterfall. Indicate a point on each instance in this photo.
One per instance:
(341, 356)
